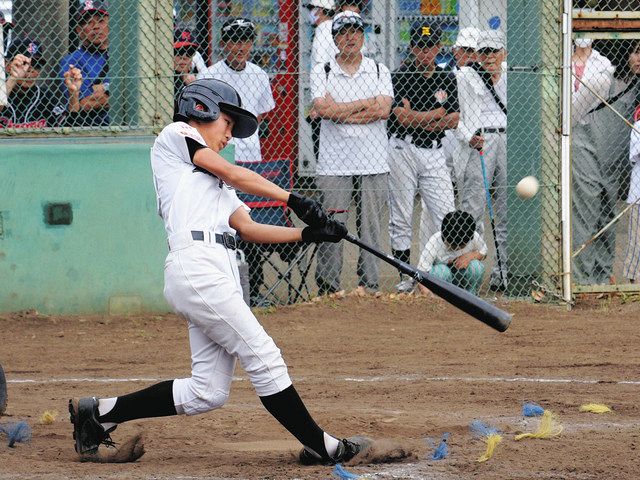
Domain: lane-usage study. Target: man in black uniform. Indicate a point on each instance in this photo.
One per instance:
(425, 105)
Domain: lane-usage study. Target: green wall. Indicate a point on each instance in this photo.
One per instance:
(110, 259)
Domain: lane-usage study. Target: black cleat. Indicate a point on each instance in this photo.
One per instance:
(87, 430)
(347, 449)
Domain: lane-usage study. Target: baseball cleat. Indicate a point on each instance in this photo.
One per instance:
(87, 430)
(347, 449)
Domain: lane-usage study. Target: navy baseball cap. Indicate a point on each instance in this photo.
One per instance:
(346, 19)
(25, 46)
(425, 35)
(238, 30)
(183, 40)
(89, 8)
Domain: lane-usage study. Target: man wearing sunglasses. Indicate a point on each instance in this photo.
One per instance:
(482, 90)
(30, 104)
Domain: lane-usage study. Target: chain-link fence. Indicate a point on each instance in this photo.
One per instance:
(411, 121)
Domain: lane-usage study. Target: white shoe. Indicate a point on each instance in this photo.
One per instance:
(406, 286)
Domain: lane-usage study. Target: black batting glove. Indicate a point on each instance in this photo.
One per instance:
(332, 231)
(307, 210)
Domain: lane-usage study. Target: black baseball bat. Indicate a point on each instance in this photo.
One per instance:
(458, 297)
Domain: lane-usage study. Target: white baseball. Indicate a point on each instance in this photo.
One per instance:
(527, 187)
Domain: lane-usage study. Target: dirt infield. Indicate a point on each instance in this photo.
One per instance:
(396, 368)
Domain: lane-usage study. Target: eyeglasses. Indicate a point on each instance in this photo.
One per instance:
(489, 51)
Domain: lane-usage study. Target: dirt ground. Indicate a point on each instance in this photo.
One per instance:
(407, 369)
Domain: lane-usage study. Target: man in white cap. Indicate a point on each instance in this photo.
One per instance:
(482, 90)
(466, 47)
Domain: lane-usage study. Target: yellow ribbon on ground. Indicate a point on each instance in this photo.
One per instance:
(492, 442)
(48, 417)
(595, 408)
(549, 427)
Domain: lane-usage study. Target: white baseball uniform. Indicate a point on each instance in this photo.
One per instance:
(201, 279)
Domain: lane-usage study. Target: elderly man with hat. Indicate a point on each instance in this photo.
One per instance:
(425, 105)
(29, 104)
(482, 89)
(92, 59)
(352, 94)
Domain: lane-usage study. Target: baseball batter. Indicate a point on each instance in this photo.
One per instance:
(202, 215)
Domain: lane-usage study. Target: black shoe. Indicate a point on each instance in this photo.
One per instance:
(347, 449)
(87, 430)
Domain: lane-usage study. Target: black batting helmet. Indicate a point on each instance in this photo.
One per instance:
(204, 99)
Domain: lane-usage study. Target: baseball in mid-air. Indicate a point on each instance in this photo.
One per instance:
(527, 187)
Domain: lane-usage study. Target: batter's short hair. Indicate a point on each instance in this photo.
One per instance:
(458, 228)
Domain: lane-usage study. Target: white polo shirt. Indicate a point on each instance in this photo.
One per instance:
(188, 198)
(254, 88)
(350, 149)
(436, 252)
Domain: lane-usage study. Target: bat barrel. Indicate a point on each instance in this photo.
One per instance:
(456, 296)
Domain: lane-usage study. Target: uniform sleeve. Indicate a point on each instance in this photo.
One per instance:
(398, 81)
(236, 203)
(428, 255)
(266, 98)
(182, 139)
(386, 85)
(468, 105)
(451, 103)
(318, 80)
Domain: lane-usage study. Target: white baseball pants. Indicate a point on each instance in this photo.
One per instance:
(422, 170)
(202, 285)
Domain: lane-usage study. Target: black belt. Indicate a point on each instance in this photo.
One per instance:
(225, 239)
(427, 144)
(430, 144)
(490, 130)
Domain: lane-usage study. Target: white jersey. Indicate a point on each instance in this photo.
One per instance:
(189, 198)
(254, 88)
(436, 252)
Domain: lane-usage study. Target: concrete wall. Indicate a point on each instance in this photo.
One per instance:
(110, 258)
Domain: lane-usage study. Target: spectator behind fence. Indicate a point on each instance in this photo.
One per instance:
(92, 59)
(237, 37)
(184, 50)
(482, 90)
(29, 103)
(370, 47)
(455, 254)
(425, 105)
(631, 268)
(323, 48)
(601, 163)
(595, 175)
(464, 53)
(353, 95)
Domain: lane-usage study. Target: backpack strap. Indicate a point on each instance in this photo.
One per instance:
(486, 78)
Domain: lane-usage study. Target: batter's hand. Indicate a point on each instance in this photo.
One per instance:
(307, 210)
(332, 231)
